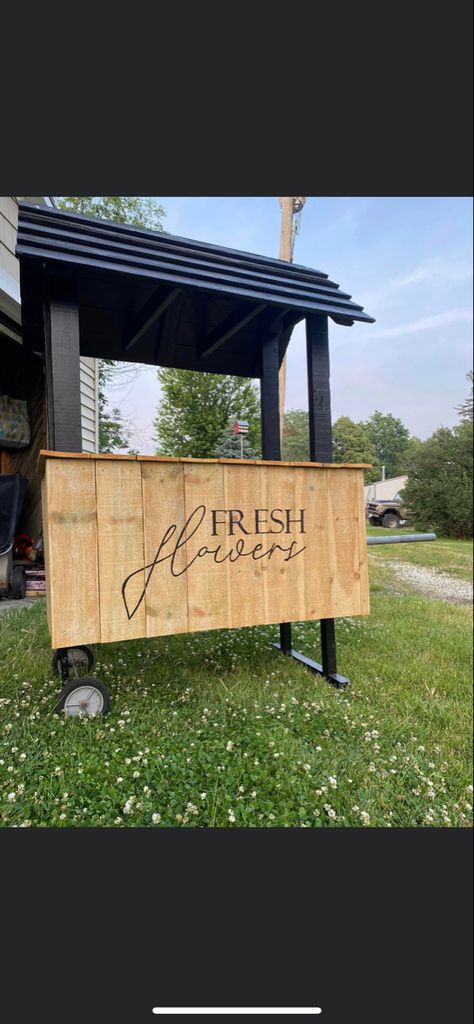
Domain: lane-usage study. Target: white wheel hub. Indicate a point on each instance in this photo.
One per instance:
(84, 700)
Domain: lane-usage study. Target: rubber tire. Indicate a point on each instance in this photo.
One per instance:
(74, 684)
(18, 583)
(390, 521)
(374, 521)
(78, 647)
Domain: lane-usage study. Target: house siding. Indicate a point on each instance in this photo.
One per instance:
(385, 490)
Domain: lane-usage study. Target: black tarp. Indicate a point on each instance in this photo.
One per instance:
(12, 494)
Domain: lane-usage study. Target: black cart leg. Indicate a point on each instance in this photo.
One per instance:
(285, 637)
(63, 664)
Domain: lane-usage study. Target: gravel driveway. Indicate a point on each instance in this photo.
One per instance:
(434, 583)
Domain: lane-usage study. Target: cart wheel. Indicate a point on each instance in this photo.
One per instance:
(84, 696)
(77, 658)
(18, 584)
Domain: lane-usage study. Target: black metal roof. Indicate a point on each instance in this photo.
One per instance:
(156, 298)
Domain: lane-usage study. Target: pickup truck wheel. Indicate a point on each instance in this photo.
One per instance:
(390, 521)
(374, 521)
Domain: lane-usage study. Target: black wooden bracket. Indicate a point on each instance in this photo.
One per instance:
(149, 315)
(230, 326)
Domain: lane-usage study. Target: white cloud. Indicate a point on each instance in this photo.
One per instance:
(426, 323)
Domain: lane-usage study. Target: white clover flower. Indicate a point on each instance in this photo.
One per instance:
(329, 811)
(146, 790)
(231, 814)
(203, 796)
(332, 782)
(191, 808)
(119, 778)
(365, 818)
(11, 798)
(62, 817)
(229, 745)
(136, 775)
(253, 793)
(156, 818)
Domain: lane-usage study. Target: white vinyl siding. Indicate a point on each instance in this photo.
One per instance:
(89, 404)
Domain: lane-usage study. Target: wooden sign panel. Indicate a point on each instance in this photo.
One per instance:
(139, 546)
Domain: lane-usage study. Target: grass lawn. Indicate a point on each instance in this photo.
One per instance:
(219, 729)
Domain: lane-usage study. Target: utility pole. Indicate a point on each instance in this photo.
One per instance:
(291, 207)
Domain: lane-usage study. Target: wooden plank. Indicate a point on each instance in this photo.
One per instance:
(70, 538)
(121, 549)
(245, 574)
(311, 492)
(343, 543)
(44, 453)
(206, 575)
(279, 574)
(363, 553)
(166, 598)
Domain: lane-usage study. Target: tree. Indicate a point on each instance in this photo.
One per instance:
(295, 446)
(390, 439)
(141, 212)
(230, 447)
(352, 443)
(439, 487)
(195, 410)
(114, 432)
(465, 411)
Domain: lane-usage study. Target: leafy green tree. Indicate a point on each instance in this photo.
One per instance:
(409, 454)
(352, 443)
(295, 445)
(389, 438)
(195, 410)
(439, 487)
(465, 411)
(141, 212)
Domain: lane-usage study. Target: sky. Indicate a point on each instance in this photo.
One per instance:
(408, 261)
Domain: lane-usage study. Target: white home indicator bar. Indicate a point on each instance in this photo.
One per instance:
(237, 1009)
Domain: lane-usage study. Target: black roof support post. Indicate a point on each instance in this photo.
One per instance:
(320, 449)
(62, 351)
(270, 417)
